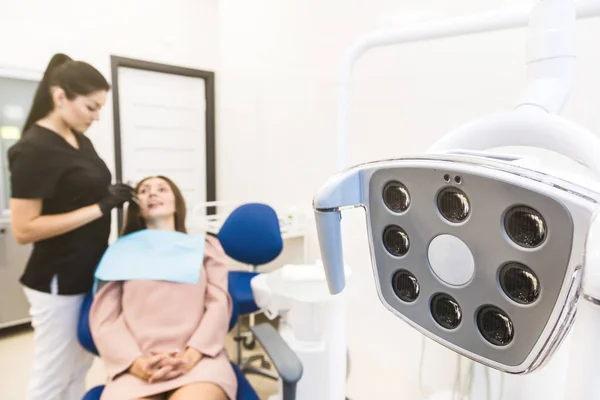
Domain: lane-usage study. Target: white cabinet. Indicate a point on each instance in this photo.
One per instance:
(14, 308)
(17, 89)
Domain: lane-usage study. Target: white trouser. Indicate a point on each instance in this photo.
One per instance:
(60, 364)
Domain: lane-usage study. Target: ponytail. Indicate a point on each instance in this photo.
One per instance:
(76, 78)
(42, 101)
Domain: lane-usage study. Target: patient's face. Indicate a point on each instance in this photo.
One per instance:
(156, 199)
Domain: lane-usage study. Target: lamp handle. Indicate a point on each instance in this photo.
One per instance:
(525, 127)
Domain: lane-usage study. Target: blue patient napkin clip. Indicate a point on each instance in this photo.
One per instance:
(153, 254)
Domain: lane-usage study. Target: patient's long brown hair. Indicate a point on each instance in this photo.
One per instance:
(134, 221)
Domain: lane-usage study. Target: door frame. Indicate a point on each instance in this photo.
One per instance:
(209, 82)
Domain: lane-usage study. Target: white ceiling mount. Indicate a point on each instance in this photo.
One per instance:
(445, 28)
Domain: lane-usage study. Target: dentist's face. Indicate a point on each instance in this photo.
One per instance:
(156, 199)
(81, 112)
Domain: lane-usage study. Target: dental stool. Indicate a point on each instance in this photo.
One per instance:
(250, 235)
(286, 363)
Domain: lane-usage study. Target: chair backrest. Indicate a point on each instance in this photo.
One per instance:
(251, 234)
(84, 335)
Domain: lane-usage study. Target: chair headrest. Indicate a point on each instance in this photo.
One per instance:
(251, 234)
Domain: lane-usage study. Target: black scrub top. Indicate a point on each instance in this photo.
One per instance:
(44, 166)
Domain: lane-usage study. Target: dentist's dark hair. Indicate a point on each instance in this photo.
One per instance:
(133, 219)
(76, 78)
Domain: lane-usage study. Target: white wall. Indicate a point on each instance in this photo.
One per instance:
(177, 32)
(277, 101)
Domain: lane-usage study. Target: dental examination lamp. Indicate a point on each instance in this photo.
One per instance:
(487, 254)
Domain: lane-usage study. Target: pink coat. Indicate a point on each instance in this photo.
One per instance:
(129, 319)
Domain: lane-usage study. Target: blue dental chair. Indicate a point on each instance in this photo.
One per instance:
(286, 362)
(251, 235)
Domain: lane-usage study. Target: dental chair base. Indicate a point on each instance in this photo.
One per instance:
(239, 286)
(251, 235)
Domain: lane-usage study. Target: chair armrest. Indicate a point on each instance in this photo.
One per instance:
(286, 362)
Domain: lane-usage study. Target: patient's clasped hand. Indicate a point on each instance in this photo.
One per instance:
(165, 365)
(161, 308)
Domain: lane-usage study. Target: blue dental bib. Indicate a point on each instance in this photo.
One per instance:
(153, 254)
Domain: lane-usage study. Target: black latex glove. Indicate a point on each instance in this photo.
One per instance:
(118, 194)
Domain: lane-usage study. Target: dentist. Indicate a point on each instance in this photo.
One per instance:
(61, 202)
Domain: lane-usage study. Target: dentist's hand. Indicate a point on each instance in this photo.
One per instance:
(118, 194)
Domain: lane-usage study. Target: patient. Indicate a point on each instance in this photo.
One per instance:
(163, 339)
